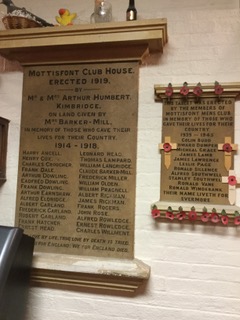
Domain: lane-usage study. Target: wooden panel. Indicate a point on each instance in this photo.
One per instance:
(3, 147)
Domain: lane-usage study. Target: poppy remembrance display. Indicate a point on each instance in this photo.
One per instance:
(197, 91)
(192, 215)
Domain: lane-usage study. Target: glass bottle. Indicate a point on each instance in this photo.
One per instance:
(131, 13)
(102, 12)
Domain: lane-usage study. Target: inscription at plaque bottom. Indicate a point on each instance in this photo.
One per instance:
(77, 165)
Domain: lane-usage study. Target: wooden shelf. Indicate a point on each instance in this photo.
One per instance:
(76, 272)
(103, 41)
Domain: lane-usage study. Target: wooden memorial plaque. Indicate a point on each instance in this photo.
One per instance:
(197, 149)
(77, 165)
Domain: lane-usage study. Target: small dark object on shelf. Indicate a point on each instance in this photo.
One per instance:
(131, 13)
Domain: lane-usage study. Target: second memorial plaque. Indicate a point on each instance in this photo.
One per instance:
(77, 165)
(197, 163)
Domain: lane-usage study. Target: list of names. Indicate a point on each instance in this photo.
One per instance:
(197, 164)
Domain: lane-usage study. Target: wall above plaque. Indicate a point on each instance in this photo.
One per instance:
(198, 181)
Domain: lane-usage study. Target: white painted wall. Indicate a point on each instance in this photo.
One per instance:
(195, 269)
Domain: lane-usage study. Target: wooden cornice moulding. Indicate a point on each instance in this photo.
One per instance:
(84, 42)
(76, 272)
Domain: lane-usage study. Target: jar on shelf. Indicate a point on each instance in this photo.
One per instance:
(102, 12)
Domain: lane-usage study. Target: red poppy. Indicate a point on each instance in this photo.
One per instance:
(224, 219)
(215, 217)
(218, 89)
(169, 214)
(198, 90)
(192, 215)
(232, 181)
(181, 215)
(169, 90)
(237, 220)
(184, 90)
(205, 216)
(156, 213)
(227, 147)
(167, 147)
